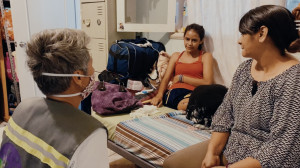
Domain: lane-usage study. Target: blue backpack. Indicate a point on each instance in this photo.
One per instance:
(134, 58)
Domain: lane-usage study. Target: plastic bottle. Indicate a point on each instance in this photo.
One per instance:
(185, 15)
(177, 23)
(144, 92)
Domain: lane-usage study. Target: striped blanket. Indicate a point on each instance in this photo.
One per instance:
(155, 138)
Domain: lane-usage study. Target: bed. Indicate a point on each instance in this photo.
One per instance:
(147, 141)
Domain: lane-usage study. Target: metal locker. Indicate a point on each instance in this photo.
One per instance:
(99, 55)
(94, 19)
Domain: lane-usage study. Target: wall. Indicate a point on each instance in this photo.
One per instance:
(77, 14)
(297, 55)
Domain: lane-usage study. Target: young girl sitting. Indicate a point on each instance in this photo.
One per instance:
(189, 68)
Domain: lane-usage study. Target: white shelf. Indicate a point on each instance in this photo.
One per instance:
(177, 36)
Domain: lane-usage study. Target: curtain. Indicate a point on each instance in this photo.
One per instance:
(220, 19)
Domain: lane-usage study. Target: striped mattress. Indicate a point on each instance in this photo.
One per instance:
(155, 138)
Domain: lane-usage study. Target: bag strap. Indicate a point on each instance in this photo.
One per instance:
(117, 55)
(152, 46)
(101, 86)
(155, 62)
(156, 72)
(120, 79)
(146, 83)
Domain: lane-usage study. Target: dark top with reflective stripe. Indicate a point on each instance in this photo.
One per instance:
(58, 124)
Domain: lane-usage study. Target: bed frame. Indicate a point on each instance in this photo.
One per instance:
(129, 156)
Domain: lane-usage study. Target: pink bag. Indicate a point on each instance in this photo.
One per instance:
(8, 67)
(111, 99)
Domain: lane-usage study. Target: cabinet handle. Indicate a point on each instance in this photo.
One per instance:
(23, 44)
(87, 22)
(99, 22)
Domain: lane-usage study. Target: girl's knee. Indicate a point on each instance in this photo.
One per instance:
(182, 105)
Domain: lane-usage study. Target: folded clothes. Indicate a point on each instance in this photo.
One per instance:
(145, 111)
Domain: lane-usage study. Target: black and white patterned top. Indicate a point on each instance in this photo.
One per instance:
(265, 126)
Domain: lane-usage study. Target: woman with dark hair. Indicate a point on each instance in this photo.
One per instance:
(258, 123)
(189, 68)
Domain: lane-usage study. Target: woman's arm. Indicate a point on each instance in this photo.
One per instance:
(208, 74)
(246, 163)
(166, 79)
(222, 123)
(169, 73)
(217, 143)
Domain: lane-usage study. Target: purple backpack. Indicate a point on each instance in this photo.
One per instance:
(113, 99)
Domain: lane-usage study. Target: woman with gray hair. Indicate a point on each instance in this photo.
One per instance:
(52, 131)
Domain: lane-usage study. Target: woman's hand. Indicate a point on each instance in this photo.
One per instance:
(211, 161)
(176, 79)
(157, 101)
(163, 53)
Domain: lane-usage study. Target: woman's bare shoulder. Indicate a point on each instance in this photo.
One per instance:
(207, 57)
(175, 56)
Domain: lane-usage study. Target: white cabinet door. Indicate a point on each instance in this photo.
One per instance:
(98, 51)
(30, 17)
(94, 19)
(146, 15)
